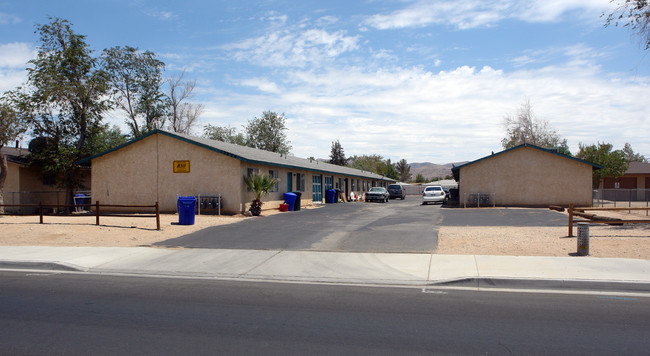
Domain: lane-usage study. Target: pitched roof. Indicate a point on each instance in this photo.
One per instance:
(16, 155)
(456, 170)
(638, 168)
(253, 155)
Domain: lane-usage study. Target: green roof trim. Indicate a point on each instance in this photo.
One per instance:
(252, 155)
(456, 170)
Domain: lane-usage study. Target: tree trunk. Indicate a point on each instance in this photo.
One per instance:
(70, 186)
(256, 207)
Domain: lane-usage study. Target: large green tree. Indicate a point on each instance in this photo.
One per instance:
(632, 156)
(370, 163)
(136, 81)
(374, 163)
(404, 170)
(634, 14)
(613, 161)
(12, 126)
(224, 133)
(65, 97)
(268, 132)
(387, 169)
(526, 127)
(337, 156)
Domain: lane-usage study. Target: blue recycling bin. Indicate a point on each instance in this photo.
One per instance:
(330, 196)
(290, 199)
(186, 207)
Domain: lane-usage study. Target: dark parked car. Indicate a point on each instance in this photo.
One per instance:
(379, 194)
(396, 191)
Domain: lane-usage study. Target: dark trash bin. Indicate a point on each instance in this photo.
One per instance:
(290, 199)
(297, 206)
(330, 196)
(186, 207)
(337, 195)
(79, 201)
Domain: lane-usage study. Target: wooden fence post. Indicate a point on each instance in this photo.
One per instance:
(97, 212)
(40, 211)
(570, 220)
(157, 216)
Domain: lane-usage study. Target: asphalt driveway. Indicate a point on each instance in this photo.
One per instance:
(396, 226)
(519, 217)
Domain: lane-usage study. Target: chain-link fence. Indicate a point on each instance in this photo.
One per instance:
(46, 197)
(621, 198)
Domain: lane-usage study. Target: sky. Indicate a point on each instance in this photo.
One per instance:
(425, 81)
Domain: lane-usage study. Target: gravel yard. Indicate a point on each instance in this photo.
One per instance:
(628, 241)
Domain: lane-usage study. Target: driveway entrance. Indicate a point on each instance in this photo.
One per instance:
(396, 226)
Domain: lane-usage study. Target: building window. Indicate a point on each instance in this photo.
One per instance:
(317, 188)
(300, 182)
(329, 182)
(274, 174)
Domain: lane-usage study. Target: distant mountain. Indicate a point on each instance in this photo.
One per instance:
(431, 170)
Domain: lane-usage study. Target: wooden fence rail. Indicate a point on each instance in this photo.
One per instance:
(98, 207)
(573, 210)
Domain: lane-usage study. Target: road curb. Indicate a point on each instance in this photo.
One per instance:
(545, 284)
(40, 265)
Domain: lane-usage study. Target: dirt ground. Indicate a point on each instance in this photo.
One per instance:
(628, 241)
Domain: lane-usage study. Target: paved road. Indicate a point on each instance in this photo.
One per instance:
(396, 226)
(51, 314)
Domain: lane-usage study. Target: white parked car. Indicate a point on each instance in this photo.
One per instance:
(433, 194)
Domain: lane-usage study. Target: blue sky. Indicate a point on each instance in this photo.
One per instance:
(420, 80)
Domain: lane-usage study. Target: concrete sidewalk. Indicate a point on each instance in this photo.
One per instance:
(391, 269)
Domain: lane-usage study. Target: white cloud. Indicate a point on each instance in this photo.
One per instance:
(6, 19)
(160, 14)
(16, 54)
(480, 13)
(453, 115)
(262, 84)
(578, 54)
(13, 61)
(293, 47)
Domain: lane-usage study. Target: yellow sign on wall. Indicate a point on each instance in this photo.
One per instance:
(181, 166)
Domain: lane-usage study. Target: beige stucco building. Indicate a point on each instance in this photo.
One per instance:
(24, 184)
(525, 175)
(161, 166)
(634, 185)
(637, 176)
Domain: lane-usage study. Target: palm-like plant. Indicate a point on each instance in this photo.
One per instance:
(260, 184)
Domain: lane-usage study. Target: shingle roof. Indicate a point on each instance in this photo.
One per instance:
(253, 155)
(456, 170)
(16, 155)
(638, 168)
